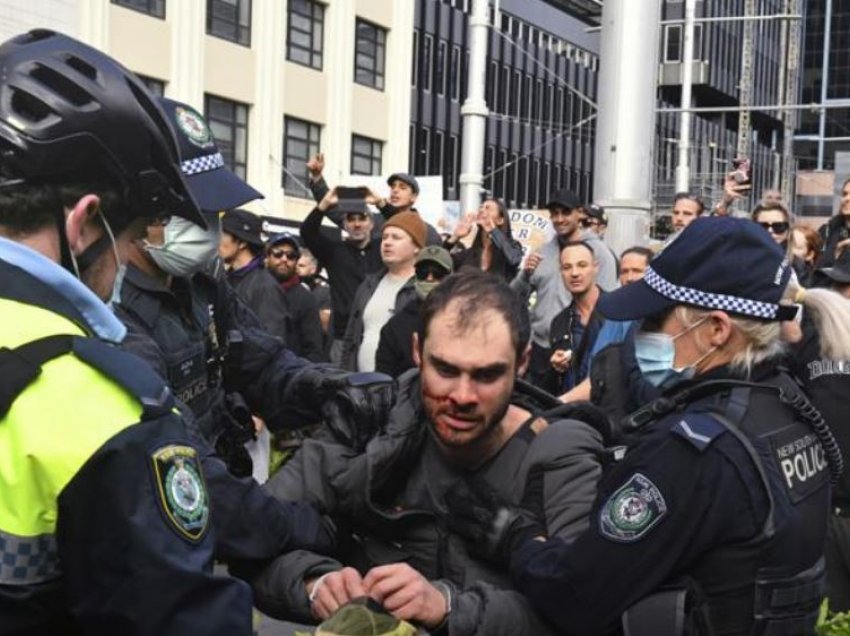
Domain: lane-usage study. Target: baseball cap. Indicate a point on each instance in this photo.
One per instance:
(720, 263)
(596, 211)
(406, 178)
(564, 198)
(213, 184)
(284, 237)
(243, 225)
(435, 254)
(840, 271)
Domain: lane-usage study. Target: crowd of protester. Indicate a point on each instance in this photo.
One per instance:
(480, 441)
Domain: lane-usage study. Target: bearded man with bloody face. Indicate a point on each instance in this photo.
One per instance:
(462, 412)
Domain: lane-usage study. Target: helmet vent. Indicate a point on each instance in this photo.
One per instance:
(81, 66)
(60, 85)
(28, 107)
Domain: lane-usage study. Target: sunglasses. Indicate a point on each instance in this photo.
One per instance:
(423, 270)
(779, 227)
(589, 222)
(290, 256)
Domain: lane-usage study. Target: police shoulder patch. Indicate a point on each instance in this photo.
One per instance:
(182, 490)
(632, 510)
(699, 429)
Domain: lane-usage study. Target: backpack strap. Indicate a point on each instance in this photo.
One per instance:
(19, 367)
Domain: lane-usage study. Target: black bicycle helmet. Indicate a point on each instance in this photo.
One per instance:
(67, 108)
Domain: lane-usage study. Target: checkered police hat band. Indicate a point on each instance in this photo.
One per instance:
(202, 164)
(690, 296)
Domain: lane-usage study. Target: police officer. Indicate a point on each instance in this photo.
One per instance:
(719, 506)
(179, 319)
(104, 513)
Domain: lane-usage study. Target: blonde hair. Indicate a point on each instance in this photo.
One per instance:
(762, 338)
(830, 313)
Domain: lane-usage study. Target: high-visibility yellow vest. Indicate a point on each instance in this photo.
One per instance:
(60, 420)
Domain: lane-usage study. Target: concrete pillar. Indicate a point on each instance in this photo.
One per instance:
(626, 122)
(187, 20)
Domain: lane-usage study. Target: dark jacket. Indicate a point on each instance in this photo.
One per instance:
(181, 333)
(346, 264)
(393, 496)
(305, 334)
(728, 489)
(259, 290)
(354, 330)
(395, 349)
(832, 232)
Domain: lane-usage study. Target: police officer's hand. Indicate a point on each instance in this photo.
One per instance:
(492, 528)
(331, 591)
(357, 406)
(312, 530)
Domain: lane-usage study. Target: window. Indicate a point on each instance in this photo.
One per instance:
(301, 140)
(228, 121)
(427, 66)
(450, 163)
(369, 55)
(365, 155)
(155, 8)
(305, 33)
(440, 68)
(672, 43)
(437, 153)
(414, 72)
(155, 86)
(491, 87)
(423, 148)
(230, 20)
(455, 77)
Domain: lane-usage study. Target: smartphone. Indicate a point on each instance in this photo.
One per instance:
(346, 192)
(741, 171)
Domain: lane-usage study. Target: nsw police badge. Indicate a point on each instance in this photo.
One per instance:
(182, 490)
(632, 510)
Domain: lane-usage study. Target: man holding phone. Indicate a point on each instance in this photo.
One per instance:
(404, 190)
(347, 258)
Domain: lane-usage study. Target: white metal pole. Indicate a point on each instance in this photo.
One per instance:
(474, 111)
(683, 166)
(623, 165)
(824, 83)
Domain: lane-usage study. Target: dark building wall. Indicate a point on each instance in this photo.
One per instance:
(714, 136)
(837, 128)
(540, 131)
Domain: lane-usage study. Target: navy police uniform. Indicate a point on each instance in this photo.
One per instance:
(726, 490)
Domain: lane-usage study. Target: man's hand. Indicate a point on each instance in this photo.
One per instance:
(841, 246)
(492, 529)
(331, 591)
(373, 198)
(316, 165)
(531, 262)
(406, 594)
(560, 360)
(732, 191)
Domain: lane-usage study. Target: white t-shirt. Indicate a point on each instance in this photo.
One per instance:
(376, 313)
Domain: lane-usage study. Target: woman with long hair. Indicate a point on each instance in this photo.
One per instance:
(493, 249)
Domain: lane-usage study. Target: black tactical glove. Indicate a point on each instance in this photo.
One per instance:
(492, 528)
(354, 406)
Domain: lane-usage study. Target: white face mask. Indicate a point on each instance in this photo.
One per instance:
(187, 247)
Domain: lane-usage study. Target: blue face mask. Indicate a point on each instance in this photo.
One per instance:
(656, 353)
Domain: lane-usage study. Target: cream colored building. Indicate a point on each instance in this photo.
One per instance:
(270, 78)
